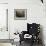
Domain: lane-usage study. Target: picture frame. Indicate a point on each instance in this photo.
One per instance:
(20, 14)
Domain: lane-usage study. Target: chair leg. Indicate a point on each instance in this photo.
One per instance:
(32, 42)
(20, 42)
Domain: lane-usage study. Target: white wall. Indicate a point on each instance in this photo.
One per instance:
(35, 13)
(3, 15)
(3, 21)
(3, 1)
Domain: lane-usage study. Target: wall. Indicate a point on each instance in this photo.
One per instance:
(3, 34)
(3, 21)
(32, 7)
(3, 1)
(35, 13)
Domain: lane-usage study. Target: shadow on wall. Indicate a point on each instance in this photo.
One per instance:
(41, 34)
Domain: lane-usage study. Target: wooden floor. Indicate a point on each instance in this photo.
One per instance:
(29, 44)
(6, 44)
(6, 40)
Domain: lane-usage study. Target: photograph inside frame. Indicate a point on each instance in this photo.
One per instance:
(20, 14)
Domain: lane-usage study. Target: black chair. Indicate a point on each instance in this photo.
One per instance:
(32, 29)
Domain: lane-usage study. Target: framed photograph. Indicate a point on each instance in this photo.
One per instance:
(20, 14)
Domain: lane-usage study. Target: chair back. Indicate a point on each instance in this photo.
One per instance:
(33, 28)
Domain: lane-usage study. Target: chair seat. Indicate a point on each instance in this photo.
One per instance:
(27, 36)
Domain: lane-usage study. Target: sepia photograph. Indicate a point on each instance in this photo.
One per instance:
(22, 22)
(20, 14)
